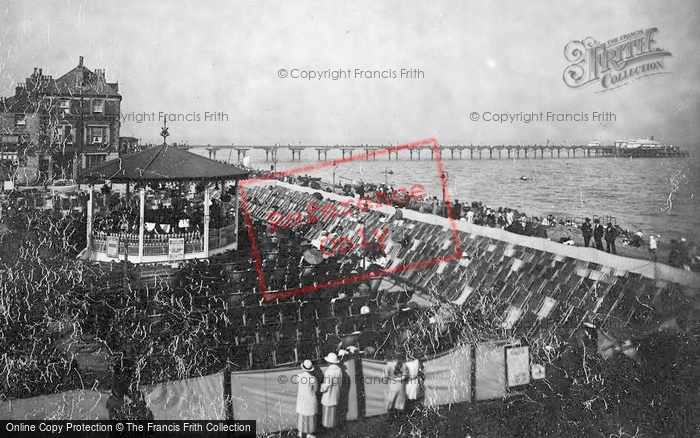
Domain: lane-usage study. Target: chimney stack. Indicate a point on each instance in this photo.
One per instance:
(80, 63)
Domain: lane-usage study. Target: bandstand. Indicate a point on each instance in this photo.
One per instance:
(184, 207)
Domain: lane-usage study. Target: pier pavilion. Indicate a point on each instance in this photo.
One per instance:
(172, 217)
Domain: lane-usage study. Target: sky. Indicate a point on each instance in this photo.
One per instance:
(192, 58)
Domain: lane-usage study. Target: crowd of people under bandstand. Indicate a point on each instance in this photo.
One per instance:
(171, 216)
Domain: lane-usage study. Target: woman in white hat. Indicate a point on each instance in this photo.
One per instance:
(332, 381)
(307, 406)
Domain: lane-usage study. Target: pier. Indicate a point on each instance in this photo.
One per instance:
(456, 151)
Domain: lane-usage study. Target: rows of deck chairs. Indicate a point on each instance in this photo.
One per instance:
(528, 291)
(284, 331)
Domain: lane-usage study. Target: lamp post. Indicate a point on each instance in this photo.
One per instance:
(445, 178)
(164, 133)
(335, 166)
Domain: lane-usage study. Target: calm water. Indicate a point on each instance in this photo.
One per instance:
(655, 195)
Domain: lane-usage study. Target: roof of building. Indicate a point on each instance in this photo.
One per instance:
(84, 82)
(80, 81)
(14, 104)
(162, 163)
(638, 140)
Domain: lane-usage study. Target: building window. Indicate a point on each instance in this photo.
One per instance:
(20, 120)
(97, 135)
(10, 140)
(98, 106)
(64, 106)
(68, 133)
(63, 134)
(92, 159)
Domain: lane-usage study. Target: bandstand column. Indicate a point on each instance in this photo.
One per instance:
(142, 214)
(206, 221)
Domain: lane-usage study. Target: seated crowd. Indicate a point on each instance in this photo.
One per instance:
(287, 329)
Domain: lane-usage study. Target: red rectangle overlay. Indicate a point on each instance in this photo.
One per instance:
(317, 212)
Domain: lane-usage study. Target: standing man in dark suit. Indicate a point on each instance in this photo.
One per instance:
(457, 210)
(534, 229)
(598, 233)
(610, 236)
(587, 231)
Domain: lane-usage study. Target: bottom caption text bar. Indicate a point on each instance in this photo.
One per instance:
(70, 428)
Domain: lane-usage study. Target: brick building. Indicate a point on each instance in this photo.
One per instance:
(52, 128)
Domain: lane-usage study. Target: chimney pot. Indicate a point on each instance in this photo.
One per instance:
(80, 62)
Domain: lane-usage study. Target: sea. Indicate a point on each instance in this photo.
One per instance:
(656, 195)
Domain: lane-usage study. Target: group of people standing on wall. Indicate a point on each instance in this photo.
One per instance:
(682, 254)
(598, 232)
(404, 390)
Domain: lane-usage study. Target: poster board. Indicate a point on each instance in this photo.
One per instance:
(176, 249)
(113, 246)
(517, 365)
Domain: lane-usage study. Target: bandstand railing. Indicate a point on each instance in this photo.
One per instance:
(152, 246)
(159, 245)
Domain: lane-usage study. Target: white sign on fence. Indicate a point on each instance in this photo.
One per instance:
(518, 365)
(113, 246)
(176, 249)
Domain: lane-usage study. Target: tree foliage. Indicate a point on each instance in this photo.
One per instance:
(52, 303)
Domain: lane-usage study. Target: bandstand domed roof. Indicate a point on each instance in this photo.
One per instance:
(162, 163)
